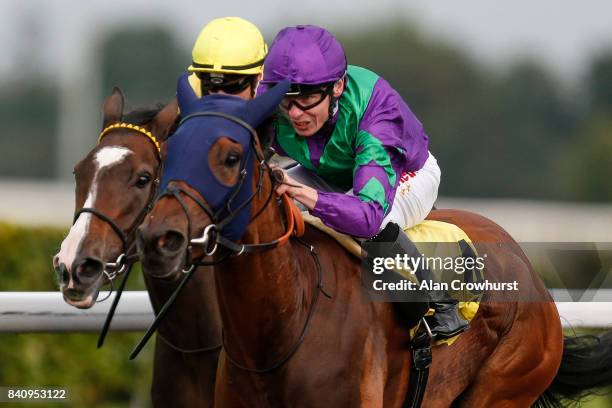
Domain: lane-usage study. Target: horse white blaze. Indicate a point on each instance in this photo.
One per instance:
(107, 157)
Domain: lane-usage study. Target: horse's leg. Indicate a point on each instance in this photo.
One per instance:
(373, 370)
(454, 367)
(171, 384)
(183, 380)
(523, 364)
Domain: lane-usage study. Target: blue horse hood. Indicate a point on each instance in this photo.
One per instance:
(188, 148)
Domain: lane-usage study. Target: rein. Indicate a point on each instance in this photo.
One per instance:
(128, 256)
(300, 340)
(186, 351)
(211, 237)
(290, 209)
(125, 261)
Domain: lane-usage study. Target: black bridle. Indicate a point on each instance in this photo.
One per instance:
(212, 238)
(210, 235)
(128, 254)
(300, 340)
(125, 261)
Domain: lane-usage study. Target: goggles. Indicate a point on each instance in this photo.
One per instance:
(305, 97)
(230, 84)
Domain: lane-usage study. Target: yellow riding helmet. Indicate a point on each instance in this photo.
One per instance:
(229, 45)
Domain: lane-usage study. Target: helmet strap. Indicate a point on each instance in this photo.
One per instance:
(334, 105)
(334, 102)
(254, 85)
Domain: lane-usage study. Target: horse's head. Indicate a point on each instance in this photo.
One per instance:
(213, 180)
(115, 183)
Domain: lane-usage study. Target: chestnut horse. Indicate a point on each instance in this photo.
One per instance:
(285, 345)
(115, 186)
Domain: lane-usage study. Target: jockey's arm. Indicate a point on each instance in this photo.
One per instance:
(361, 212)
(301, 192)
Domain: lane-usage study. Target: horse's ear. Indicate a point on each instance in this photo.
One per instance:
(263, 106)
(113, 107)
(164, 121)
(185, 95)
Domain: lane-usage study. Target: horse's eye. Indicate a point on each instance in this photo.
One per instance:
(232, 159)
(143, 180)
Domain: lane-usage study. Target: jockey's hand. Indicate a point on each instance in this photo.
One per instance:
(294, 189)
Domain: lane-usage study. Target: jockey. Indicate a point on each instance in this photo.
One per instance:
(228, 58)
(364, 164)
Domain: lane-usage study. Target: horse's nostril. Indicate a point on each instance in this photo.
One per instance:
(170, 242)
(88, 268)
(63, 276)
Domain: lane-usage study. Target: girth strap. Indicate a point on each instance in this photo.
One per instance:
(420, 346)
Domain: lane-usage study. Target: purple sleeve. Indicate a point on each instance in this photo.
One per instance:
(348, 214)
(389, 119)
(391, 140)
(374, 184)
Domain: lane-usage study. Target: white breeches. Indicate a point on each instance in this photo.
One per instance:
(415, 196)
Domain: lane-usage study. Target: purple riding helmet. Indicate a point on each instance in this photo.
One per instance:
(309, 57)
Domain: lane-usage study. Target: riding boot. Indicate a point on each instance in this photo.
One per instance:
(410, 305)
(445, 322)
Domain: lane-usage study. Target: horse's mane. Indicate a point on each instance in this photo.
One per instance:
(142, 116)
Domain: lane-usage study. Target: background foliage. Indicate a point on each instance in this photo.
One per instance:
(535, 137)
(510, 132)
(93, 377)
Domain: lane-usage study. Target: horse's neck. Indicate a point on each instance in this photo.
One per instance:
(193, 321)
(264, 297)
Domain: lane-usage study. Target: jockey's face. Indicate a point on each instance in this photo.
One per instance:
(309, 121)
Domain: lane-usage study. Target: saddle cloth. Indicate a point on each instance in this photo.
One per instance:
(434, 239)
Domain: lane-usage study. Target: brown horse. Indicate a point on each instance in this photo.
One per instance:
(115, 184)
(285, 345)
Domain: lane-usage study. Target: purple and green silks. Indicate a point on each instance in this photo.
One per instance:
(376, 137)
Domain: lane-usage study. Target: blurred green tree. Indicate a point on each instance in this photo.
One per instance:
(444, 88)
(534, 122)
(586, 162)
(28, 123)
(510, 133)
(598, 83)
(144, 61)
(494, 134)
